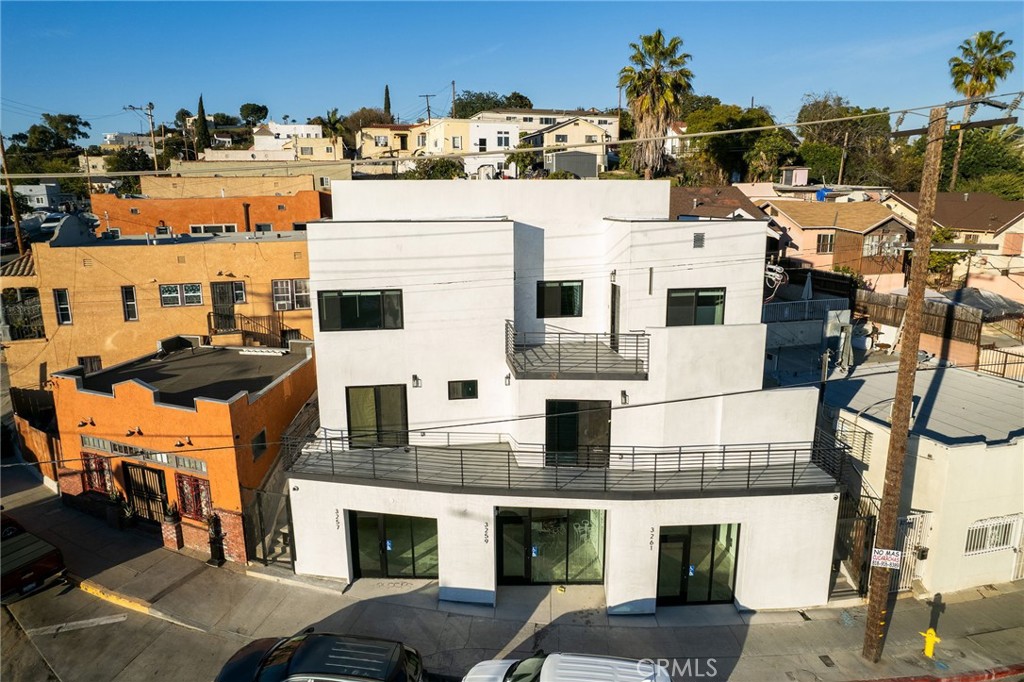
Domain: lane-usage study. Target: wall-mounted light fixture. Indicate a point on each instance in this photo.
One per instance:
(624, 398)
(416, 381)
(86, 422)
(137, 431)
(179, 444)
(508, 379)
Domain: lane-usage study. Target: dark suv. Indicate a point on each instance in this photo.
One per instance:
(313, 655)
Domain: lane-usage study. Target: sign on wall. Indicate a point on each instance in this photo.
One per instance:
(886, 558)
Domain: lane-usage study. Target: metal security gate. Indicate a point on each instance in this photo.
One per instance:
(911, 535)
(147, 492)
(1018, 566)
(268, 527)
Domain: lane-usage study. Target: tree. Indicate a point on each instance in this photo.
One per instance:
(175, 147)
(1009, 186)
(67, 127)
(387, 100)
(719, 158)
(984, 61)
(428, 168)
(942, 262)
(866, 140)
(525, 157)
(771, 150)
(5, 206)
(690, 103)
(655, 82)
(333, 127)
(202, 130)
(126, 160)
(253, 114)
(362, 118)
(822, 160)
(469, 103)
(983, 152)
(181, 118)
(222, 120)
(516, 100)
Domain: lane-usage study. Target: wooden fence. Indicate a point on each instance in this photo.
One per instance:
(956, 322)
(1002, 362)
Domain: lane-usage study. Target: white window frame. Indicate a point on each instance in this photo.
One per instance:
(457, 142)
(183, 298)
(305, 151)
(590, 138)
(325, 181)
(62, 307)
(503, 139)
(993, 535)
(206, 228)
(290, 294)
(380, 140)
(829, 238)
(129, 304)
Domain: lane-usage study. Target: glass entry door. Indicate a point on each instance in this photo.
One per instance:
(697, 564)
(377, 415)
(385, 545)
(550, 546)
(578, 432)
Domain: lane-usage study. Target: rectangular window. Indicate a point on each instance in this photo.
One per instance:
(690, 307)
(162, 229)
(462, 390)
(457, 142)
(560, 299)
(547, 121)
(212, 229)
(561, 138)
(971, 238)
(993, 535)
(353, 310)
(238, 292)
(114, 232)
(602, 122)
(503, 138)
(380, 140)
(264, 227)
(290, 294)
(527, 119)
(173, 295)
(97, 473)
(90, 363)
(305, 151)
(329, 150)
(590, 138)
(193, 497)
(826, 243)
(133, 211)
(129, 304)
(259, 445)
(325, 181)
(872, 245)
(482, 144)
(421, 140)
(510, 118)
(63, 305)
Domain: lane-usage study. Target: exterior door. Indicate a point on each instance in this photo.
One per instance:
(613, 324)
(387, 545)
(512, 546)
(223, 305)
(367, 547)
(578, 432)
(377, 415)
(697, 564)
(147, 491)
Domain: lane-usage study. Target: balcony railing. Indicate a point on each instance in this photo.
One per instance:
(575, 355)
(797, 311)
(268, 330)
(495, 463)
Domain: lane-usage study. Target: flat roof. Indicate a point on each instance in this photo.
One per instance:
(73, 232)
(953, 406)
(183, 375)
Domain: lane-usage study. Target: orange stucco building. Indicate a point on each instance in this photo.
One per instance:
(209, 215)
(186, 427)
(96, 302)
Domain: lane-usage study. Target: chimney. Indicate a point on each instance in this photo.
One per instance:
(245, 210)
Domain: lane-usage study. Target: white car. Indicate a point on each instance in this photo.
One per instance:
(51, 222)
(543, 667)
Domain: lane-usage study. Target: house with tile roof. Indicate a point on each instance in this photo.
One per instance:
(707, 203)
(390, 141)
(863, 236)
(989, 225)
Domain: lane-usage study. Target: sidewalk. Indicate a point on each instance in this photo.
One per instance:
(980, 629)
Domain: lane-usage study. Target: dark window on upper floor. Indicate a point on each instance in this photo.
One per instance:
(688, 307)
(560, 299)
(353, 310)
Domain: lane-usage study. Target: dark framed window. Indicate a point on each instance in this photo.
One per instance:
(238, 292)
(688, 307)
(826, 242)
(259, 445)
(193, 497)
(355, 310)
(129, 304)
(62, 302)
(90, 363)
(97, 473)
(560, 299)
(464, 389)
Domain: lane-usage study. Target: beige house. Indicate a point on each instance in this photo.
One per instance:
(206, 187)
(447, 136)
(323, 171)
(576, 134)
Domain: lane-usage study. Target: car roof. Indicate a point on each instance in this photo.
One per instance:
(583, 668)
(342, 657)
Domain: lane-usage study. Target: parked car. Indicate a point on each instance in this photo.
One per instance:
(313, 655)
(27, 563)
(8, 239)
(543, 667)
(51, 221)
(10, 527)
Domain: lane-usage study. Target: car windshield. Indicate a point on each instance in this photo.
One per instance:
(526, 670)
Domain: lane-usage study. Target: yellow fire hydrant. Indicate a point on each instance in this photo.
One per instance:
(930, 640)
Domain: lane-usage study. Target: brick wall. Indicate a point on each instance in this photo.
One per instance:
(70, 481)
(195, 536)
(234, 536)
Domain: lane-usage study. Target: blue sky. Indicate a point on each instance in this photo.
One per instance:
(300, 59)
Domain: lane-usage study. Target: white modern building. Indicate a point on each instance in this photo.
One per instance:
(551, 383)
(532, 120)
(288, 131)
(962, 501)
(44, 195)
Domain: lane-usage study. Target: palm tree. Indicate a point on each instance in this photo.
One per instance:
(334, 127)
(655, 83)
(984, 61)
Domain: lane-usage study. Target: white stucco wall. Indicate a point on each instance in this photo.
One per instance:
(783, 560)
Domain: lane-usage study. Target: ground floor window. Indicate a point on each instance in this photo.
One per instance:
(386, 545)
(697, 564)
(545, 546)
(193, 497)
(97, 473)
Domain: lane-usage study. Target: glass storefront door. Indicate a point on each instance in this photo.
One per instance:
(697, 564)
(547, 546)
(385, 545)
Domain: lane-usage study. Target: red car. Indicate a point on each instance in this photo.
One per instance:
(28, 563)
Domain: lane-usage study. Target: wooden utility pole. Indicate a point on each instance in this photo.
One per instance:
(10, 197)
(885, 533)
(842, 159)
(148, 110)
(453, 99)
(428, 107)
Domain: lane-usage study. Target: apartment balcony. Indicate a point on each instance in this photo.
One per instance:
(492, 463)
(798, 311)
(574, 355)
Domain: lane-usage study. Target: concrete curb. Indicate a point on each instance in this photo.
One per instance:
(999, 673)
(131, 603)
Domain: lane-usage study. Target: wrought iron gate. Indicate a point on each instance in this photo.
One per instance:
(147, 492)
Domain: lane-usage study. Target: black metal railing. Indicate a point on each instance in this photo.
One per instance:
(549, 354)
(268, 330)
(499, 464)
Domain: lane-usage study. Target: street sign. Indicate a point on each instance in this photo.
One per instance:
(886, 558)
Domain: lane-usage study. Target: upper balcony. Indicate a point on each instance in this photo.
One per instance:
(575, 355)
(494, 462)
